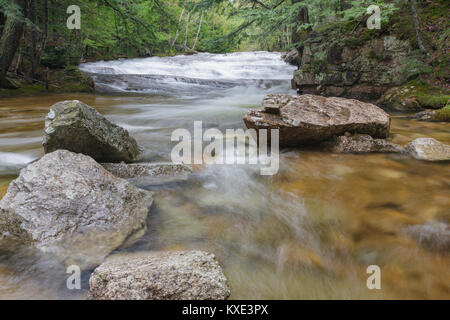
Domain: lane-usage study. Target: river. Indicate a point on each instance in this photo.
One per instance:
(309, 232)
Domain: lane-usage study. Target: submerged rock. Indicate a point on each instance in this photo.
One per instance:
(309, 119)
(135, 170)
(146, 174)
(427, 115)
(361, 144)
(77, 127)
(183, 275)
(429, 149)
(432, 236)
(69, 205)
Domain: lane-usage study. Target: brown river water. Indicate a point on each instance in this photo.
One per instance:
(309, 232)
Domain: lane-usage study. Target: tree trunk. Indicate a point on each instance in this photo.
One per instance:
(302, 18)
(10, 40)
(198, 32)
(45, 36)
(33, 36)
(188, 20)
(416, 24)
(178, 30)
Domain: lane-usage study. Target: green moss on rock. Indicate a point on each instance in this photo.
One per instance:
(442, 114)
(415, 95)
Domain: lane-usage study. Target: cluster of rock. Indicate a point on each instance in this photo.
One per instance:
(336, 124)
(365, 71)
(68, 205)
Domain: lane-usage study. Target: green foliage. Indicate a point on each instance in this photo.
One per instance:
(415, 66)
(55, 57)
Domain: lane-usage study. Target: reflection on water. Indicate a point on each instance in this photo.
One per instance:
(309, 232)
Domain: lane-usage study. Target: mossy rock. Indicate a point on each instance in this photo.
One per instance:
(442, 115)
(415, 96)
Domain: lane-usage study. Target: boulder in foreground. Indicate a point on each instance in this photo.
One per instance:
(310, 119)
(69, 205)
(182, 275)
(361, 144)
(77, 127)
(429, 149)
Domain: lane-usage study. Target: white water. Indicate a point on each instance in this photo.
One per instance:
(217, 89)
(242, 65)
(191, 76)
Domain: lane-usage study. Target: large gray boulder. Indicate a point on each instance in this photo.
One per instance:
(309, 119)
(361, 144)
(429, 149)
(182, 275)
(77, 127)
(69, 205)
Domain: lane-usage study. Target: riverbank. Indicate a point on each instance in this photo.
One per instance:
(67, 80)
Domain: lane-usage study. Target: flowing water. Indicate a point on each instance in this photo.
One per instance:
(309, 232)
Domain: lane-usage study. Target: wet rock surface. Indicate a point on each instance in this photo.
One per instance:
(361, 144)
(292, 57)
(427, 115)
(150, 174)
(68, 205)
(309, 119)
(177, 275)
(77, 127)
(429, 149)
(135, 170)
(432, 236)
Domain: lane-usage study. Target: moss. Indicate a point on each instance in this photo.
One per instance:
(416, 95)
(442, 114)
(374, 56)
(430, 96)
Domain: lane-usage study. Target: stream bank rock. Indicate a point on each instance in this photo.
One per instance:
(361, 144)
(292, 57)
(77, 127)
(310, 119)
(429, 149)
(69, 205)
(182, 275)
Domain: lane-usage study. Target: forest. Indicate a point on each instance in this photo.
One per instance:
(35, 35)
